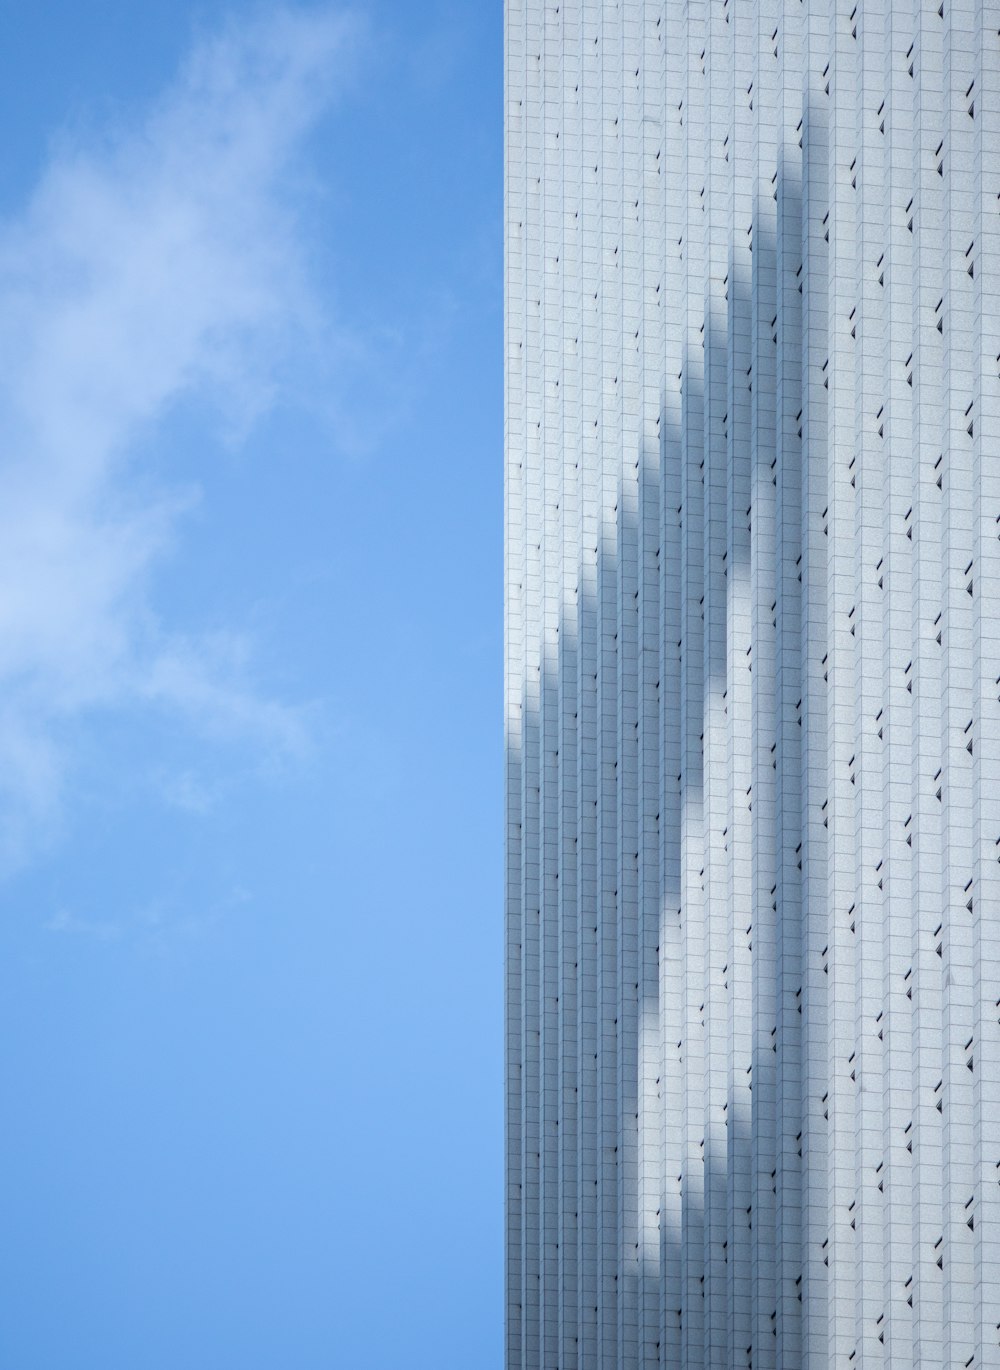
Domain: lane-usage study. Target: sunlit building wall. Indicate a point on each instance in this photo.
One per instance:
(752, 662)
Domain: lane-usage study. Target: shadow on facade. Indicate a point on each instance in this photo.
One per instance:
(654, 937)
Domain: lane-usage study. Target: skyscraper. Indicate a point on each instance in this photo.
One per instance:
(752, 664)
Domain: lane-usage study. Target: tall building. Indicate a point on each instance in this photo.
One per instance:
(752, 663)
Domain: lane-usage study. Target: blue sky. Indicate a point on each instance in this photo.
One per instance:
(250, 723)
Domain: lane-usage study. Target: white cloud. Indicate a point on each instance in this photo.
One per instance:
(101, 930)
(188, 791)
(160, 261)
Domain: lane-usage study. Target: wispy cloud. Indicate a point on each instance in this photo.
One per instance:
(151, 264)
(187, 790)
(158, 927)
(101, 930)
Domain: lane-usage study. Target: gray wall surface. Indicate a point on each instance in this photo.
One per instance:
(752, 663)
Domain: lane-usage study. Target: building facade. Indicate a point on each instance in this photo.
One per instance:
(752, 664)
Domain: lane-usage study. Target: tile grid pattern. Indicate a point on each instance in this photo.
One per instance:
(752, 338)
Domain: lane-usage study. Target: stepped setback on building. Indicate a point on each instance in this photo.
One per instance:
(752, 654)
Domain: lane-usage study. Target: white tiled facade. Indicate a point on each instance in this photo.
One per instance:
(753, 650)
